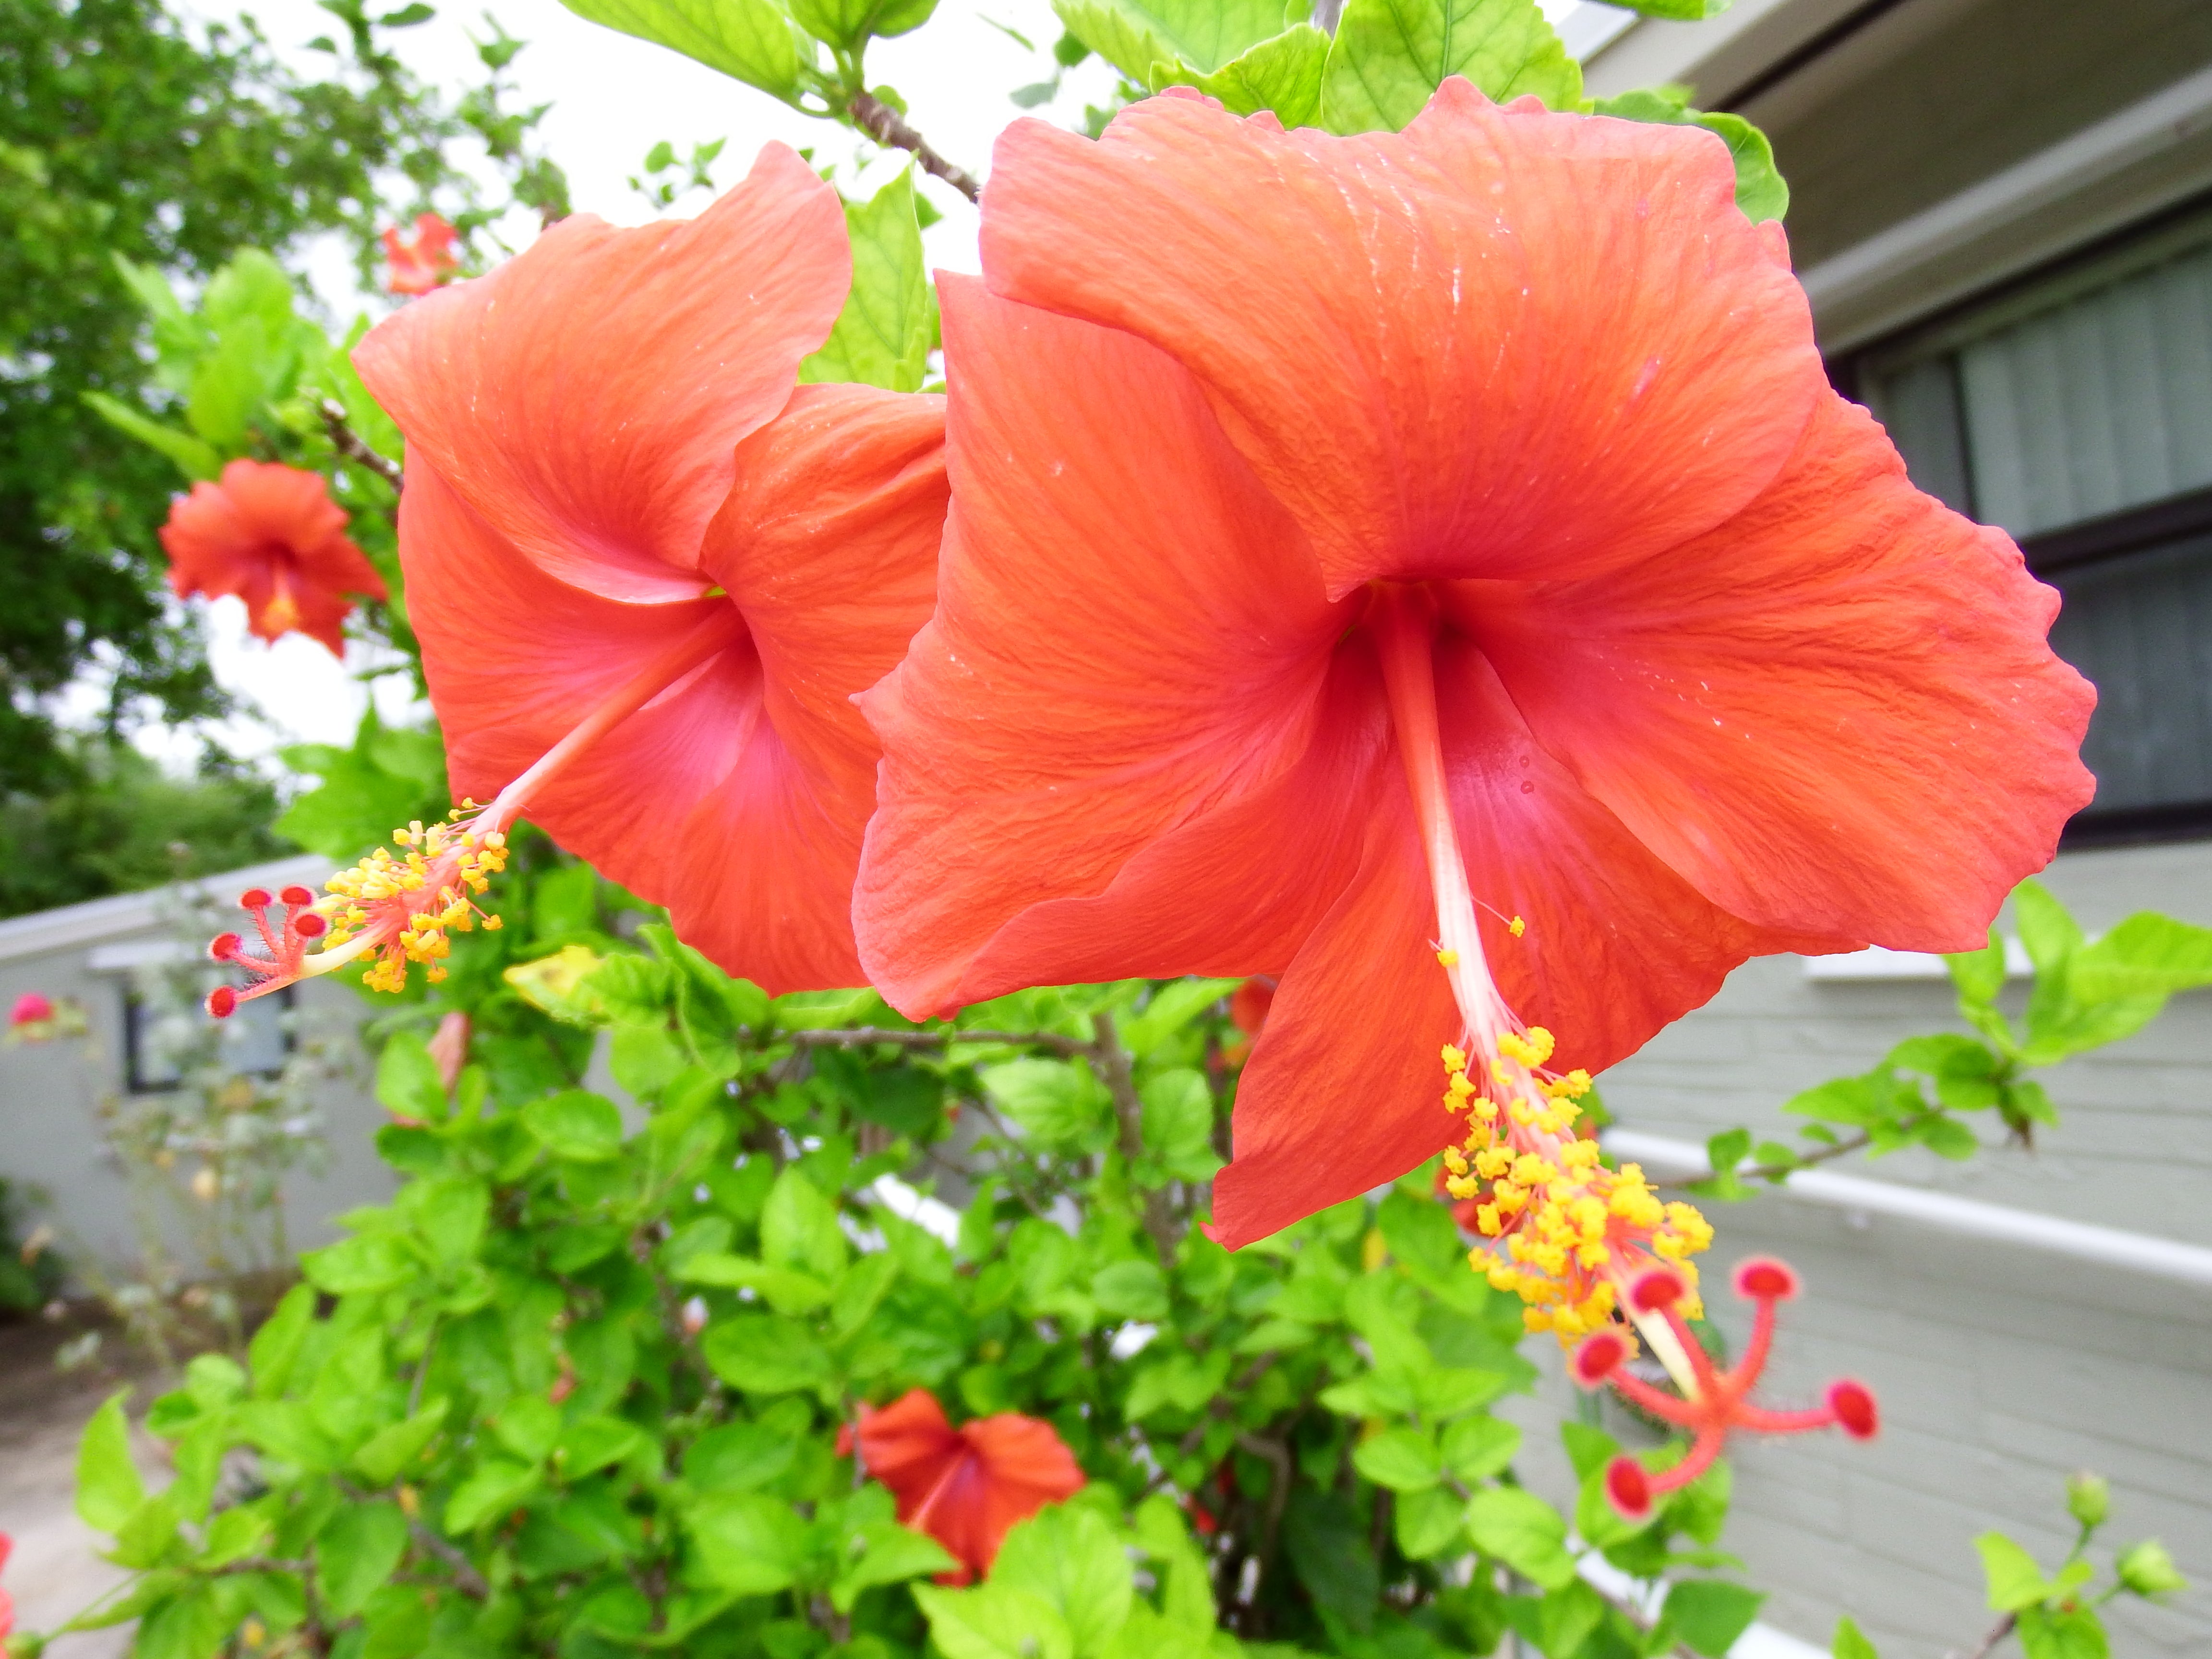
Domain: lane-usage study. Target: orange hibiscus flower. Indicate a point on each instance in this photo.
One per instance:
(1432, 568)
(271, 535)
(965, 1487)
(423, 261)
(648, 571)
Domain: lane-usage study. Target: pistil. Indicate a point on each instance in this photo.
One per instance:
(1569, 1236)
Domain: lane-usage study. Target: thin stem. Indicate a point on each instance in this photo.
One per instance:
(1998, 1632)
(350, 444)
(891, 129)
(1112, 1063)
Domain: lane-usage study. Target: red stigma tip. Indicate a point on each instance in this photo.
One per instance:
(223, 1002)
(254, 898)
(1629, 1487)
(1762, 1278)
(1662, 1287)
(224, 947)
(1598, 1358)
(1857, 1414)
(296, 895)
(311, 925)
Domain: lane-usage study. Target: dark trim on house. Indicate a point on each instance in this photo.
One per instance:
(2119, 533)
(2138, 826)
(1799, 58)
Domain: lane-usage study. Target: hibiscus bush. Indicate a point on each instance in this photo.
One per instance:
(1366, 608)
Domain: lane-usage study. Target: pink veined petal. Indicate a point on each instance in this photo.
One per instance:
(1128, 635)
(584, 397)
(1503, 343)
(1834, 714)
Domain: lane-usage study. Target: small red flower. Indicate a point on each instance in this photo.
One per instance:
(7, 1602)
(449, 1048)
(965, 1487)
(271, 535)
(31, 1009)
(1717, 1402)
(423, 261)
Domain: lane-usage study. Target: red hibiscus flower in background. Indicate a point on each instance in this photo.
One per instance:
(1359, 546)
(7, 1602)
(32, 1008)
(271, 535)
(423, 261)
(965, 1487)
(648, 570)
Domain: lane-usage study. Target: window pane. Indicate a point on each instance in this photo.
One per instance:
(2101, 403)
(2140, 628)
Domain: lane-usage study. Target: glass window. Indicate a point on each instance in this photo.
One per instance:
(256, 1040)
(2075, 413)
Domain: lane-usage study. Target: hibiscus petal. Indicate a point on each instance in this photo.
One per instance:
(909, 1445)
(828, 545)
(1615, 944)
(584, 397)
(1128, 634)
(1500, 343)
(1344, 1087)
(1835, 714)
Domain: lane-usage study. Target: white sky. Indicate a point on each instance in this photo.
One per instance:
(613, 98)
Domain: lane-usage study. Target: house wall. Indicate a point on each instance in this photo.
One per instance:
(48, 1138)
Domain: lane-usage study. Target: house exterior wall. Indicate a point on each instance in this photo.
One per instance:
(48, 1093)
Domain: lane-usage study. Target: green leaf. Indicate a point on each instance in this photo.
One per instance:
(1177, 1123)
(785, 1290)
(528, 1425)
(847, 24)
(357, 1267)
(2148, 1569)
(1402, 1459)
(108, 1489)
(1283, 75)
(748, 1542)
(357, 1551)
(576, 1125)
(1069, 1558)
(1524, 1532)
(407, 1080)
(993, 1622)
(884, 1552)
(1476, 1448)
(2147, 954)
(1709, 1615)
(763, 1354)
(195, 457)
(275, 1347)
(2015, 1580)
(385, 1455)
(1131, 1289)
(1390, 55)
(495, 1487)
(738, 1457)
(884, 335)
(1201, 35)
(1849, 1643)
(2074, 1633)
(1726, 1150)
(800, 1231)
(749, 39)
(1979, 976)
(1947, 1137)
(1171, 1008)
(1057, 1102)
(1428, 1523)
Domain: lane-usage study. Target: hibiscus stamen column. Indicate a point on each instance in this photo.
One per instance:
(401, 909)
(1571, 1236)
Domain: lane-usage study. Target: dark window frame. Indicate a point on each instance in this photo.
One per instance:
(135, 1081)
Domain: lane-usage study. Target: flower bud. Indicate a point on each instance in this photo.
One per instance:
(2088, 1499)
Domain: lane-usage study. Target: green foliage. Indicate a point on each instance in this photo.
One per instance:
(125, 134)
(1759, 190)
(888, 328)
(1390, 55)
(750, 40)
(113, 821)
(579, 1386)
(387, 778)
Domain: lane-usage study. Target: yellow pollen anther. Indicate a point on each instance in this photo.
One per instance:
(1448, 958)
(1516, 928)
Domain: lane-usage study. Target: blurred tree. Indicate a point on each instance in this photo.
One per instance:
(119, 822)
